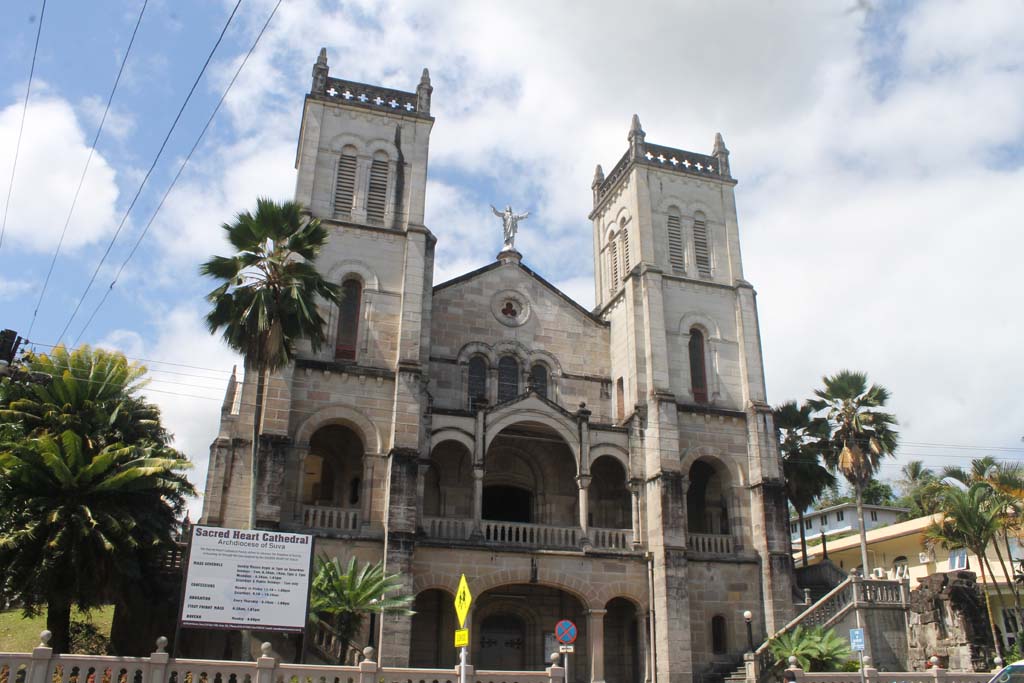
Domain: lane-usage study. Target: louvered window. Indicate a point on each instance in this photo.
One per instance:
(625, 254)
(698, 374)
(539, 379)
(508, 379)
(348, 320)
(701, 248)
(477, 382)
(345, 189)
(613, 257)
(676, 253)
(377, 197)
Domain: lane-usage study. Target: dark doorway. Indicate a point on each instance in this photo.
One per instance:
(502, 643)
(507, 504)
(718, 639)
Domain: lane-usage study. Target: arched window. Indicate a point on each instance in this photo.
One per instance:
(698, 374)
(377, 194)
(539, 379)
(620, 400)
(348, 319)
(676, 252)
(508, 378)
(701, 245)
(624, 237)
(718, 633)
(613, 262)
(345, 186)
(477, 382)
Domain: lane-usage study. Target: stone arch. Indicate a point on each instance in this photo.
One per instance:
(339, 142)
(513, 348)
(540, 356)
(477, 348)
(672, 200)
(510, 415)
(622, 215)
(508, 576)
(710, 497)
(385, 146)
(461, 436)
(702, 321)
(360, 270)
(728, 466)
(610, 450)
(340, 415)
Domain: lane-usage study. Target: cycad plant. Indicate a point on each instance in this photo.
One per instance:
(267, 299)
(341, 598)
(815, 649)
(806, 478)
(79, 523)
(857, 434)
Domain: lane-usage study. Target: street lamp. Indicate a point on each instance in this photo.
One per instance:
(748, 616)
(373, 623)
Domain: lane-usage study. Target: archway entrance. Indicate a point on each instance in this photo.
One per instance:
(513, 627)
(433, 623)
(623, 656)
(332, 478)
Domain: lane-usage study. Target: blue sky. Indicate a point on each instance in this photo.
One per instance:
(878, 148)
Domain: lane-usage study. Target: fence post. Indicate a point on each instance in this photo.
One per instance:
(556, 674)
(40, 665)
(158, 662)
(368, 667)
(870, 672)
(794, 668)
(938, 673)
(265, 665)
(998, 662)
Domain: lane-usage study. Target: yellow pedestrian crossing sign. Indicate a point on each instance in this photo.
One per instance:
(463, 599)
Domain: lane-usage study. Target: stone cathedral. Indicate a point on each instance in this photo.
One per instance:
(616, 467)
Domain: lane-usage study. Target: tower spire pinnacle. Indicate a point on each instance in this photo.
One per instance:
(320, 73)
(636, 138)
(423, 91)
(721, 153)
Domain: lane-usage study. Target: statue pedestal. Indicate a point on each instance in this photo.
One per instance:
(509, 255)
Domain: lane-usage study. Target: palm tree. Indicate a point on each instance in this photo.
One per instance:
(806, 478)
(341, 598)
(921, 490)
(970, 519)
(79, 522)
(858, 434)
(1005, 482)
(268, 298)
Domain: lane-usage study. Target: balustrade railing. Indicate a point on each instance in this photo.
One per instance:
(448, 528)
(42, 666)
(515, 533)
(326, 517)
(710, 543)
(873, 675)
(611, 539)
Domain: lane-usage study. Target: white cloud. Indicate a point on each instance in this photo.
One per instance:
(118, 124)
(53, 153)
(12, 289)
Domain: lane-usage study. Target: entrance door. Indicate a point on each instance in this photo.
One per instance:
(502, 643)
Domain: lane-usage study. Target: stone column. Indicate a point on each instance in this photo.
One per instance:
(421, 486)
(644, 656)
(478, 501)
(584, 482)
(595, 637)
(634, 491)
(366, 493)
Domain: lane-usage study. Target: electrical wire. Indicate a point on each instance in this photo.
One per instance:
(152, 166)
(21, 127)
(174, 181)
(88, 160)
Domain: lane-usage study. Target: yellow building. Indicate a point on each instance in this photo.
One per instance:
(899, 551)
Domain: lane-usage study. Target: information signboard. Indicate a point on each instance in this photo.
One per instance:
(857, 639)
(247, 579)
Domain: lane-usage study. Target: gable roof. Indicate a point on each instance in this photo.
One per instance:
(497, 264)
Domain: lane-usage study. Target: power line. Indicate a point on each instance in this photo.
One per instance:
(21, 127)
(177, 175)
(149, 172)
(88, 160)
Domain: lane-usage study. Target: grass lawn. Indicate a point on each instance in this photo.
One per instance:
(18, 634)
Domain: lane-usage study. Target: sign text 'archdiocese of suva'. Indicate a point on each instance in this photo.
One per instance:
(247, 579)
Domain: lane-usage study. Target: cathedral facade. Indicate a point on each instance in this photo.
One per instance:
(615, 467)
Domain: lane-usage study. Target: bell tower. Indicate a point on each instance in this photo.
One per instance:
(688, 381)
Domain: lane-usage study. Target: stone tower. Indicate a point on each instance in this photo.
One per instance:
(614, 467)
(689, 380)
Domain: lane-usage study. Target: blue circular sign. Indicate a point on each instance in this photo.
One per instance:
(565, 632)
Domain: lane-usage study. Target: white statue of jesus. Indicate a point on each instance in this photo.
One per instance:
(509, 224)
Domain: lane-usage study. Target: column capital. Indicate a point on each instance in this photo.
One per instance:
(583, 480)
(597, 612)
(478, 472)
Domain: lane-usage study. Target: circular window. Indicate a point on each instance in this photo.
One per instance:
(510, 307)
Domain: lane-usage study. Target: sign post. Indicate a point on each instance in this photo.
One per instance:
(247, 579)
(463, 599)
(857, 645)
(565, 633)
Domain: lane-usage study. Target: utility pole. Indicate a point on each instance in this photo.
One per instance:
(10, 342)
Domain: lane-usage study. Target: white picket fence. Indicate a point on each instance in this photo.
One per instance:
(42, 666)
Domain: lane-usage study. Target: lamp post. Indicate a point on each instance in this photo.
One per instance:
(748, 616)
(373, 623)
